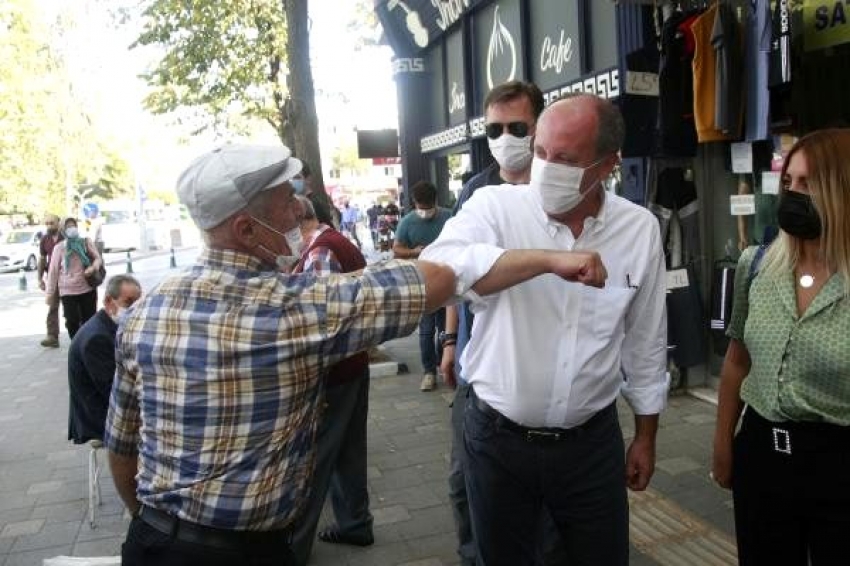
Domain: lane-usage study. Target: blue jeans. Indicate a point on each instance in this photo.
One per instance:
(429, 350)
(579, 479)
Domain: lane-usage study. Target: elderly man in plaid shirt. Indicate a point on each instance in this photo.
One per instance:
(218, 370)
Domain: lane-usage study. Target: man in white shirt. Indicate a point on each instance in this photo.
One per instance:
(548, 358)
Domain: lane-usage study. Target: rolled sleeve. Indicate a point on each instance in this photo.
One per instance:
(644, 349)
(469, 244)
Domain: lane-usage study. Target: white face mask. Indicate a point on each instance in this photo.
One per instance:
(510, 152)
(427, 213)
(121, 311)
(71, 232)
(559, 185)
(294, 241)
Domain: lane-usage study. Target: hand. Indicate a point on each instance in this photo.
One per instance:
(89, 270)
(580, 267)
(721, 465)
(447, 365)
(41, 285)
(640, 464)
(50, 300)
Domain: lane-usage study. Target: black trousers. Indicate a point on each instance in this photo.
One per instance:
(145, 546)
(512, 477)
(791, 487)
(78, 309)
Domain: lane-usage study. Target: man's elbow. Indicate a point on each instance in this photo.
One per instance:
(440, 284)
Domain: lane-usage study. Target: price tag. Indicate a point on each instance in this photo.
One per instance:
(770, 183)
(677, 279)
(644, 84)
(742, 157)
(743, 205)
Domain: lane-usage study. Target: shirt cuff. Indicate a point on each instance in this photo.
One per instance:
(647, 399)
(469, 263)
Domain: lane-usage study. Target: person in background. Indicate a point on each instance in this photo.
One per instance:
(326, 212)
(511, 112)
(350, 217)
(70, 262)
(341, 439)
(373, 213)
(91, 361)
(547, 359)
(785, 375)
(45, 249)
(416, 230)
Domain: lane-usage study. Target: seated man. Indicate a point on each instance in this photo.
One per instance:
(91, 362)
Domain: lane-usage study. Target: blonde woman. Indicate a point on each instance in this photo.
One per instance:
(70, 262)
(787, 370)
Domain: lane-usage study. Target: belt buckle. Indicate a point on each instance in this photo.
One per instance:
(781, 440)
(535, 435)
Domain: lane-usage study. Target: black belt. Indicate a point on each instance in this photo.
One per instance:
(538, 434)
(790, 437)
(195, 533)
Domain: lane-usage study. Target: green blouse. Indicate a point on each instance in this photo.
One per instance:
(800, 365)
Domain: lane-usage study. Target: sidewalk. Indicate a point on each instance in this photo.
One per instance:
(682, 520)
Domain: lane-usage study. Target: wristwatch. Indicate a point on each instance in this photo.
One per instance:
(447, 339)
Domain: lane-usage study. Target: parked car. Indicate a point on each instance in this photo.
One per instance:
(19, 249)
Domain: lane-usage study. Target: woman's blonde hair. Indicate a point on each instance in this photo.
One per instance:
(828, 159)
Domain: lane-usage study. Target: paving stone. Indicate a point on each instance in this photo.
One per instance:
(44, 487)
(36, 557)
(22, 528)
(412, 498)
(59, 512)
(390, 515)
(385, 555)
(407, 405)
(679, 465)
(424, 562)
(101, 547)
(400, 478)
(50, 535)
(431, 520)
(700, 419)
(373, 472)
(106, 526)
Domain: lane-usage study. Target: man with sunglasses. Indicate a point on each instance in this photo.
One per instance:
(548, 359)
(510, 113)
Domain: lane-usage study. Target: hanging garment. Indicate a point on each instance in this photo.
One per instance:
(640, 109)
(758, 36)
(675, 193)
(722, 293)
(729, 71)
(704, 72)
(676, 130)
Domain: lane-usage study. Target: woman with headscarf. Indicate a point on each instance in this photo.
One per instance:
(71, 261)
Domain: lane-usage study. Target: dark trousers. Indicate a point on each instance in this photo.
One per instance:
(579, 479)
(430, 351)
(340, 467)
(52, 321)
(791, 509)
(78, 309)
(147, 546)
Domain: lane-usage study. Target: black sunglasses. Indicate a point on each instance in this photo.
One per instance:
(516, 129)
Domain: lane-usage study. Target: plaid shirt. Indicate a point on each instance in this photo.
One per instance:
(217, 381)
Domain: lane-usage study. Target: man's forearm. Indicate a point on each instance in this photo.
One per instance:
(124, 470)
(451, 319)
(513, 267)
(646, 428)
(403, 252)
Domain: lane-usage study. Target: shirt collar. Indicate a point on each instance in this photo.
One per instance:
(232, 259)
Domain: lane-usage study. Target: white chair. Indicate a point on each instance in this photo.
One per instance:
(94, 480)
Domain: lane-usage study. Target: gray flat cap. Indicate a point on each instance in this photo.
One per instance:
(220, 183)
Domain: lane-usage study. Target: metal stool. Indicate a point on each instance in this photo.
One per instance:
(94, 479)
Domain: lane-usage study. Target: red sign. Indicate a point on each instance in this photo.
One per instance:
(386, 161)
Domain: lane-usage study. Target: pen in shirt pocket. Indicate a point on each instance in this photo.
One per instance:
(630, 283)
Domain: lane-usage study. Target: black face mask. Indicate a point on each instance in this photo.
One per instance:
(797, 215)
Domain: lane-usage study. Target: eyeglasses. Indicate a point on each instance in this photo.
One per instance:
(516, 129)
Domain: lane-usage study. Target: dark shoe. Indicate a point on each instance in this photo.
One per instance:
(50, 342)
(333, 536)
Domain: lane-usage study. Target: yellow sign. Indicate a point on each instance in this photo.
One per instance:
(825, 23)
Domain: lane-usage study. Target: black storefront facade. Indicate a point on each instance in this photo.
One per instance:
(450, 53)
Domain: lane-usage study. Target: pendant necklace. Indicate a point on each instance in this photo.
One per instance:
(806, 280)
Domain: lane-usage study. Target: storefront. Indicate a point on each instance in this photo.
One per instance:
(704, 139)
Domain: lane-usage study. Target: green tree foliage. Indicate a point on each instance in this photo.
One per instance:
(225, 64)
(47, 143)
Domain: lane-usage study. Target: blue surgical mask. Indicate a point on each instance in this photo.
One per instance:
(298, 185)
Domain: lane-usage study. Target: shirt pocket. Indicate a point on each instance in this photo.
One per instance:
(605, 309)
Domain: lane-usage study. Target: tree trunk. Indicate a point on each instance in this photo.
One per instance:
(301, 111)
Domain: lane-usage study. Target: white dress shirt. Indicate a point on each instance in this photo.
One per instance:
(549, 352)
